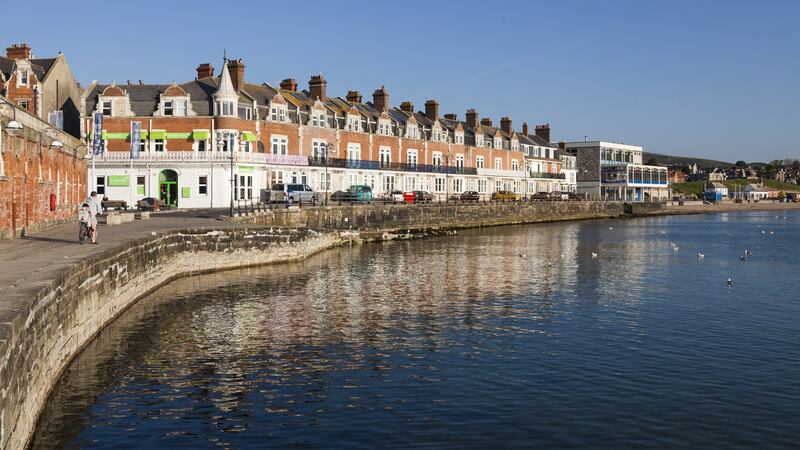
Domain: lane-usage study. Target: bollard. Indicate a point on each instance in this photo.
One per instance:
(113, 219)
(145, 215)
(126, 217)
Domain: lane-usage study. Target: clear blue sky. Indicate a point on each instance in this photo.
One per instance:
(711, 79)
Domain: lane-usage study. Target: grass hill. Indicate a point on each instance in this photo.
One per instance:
(667, 160)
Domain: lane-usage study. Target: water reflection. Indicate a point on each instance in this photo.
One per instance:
(442, 342)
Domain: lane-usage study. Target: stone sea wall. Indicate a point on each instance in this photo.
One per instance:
(38, 345)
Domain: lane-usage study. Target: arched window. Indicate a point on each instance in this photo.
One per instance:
(294, 177)
(303, 178)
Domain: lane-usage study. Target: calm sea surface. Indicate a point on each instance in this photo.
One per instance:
(460, 342)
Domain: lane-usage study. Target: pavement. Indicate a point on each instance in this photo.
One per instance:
(29, 263)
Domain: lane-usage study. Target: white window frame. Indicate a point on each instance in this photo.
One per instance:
(459, 161)
(412, 157)
(107, 104)
(436, 159)
(353, 151)
(479, 162)
(385, 154)
(24, 77)
(168, 108)
(279, 144)
(319, 148)
(498, 163)
(439, 184)
(201, 184)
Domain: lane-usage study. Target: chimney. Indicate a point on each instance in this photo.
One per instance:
(432, 109)
(543, 131)
(525, 128)
(451, 116)
(472, 118)
(236, 67)
(486, 122)
(317, 87)
(407, 107)
(18, 51)
(380, 99)
(505, 125)
(562, 145)
(289, 84)
(353, 97)
(205, 70)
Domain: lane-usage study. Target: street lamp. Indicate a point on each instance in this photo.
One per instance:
(221, 144)
(328, 152)
(13, 128)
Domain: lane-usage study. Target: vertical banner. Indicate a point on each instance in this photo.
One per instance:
(56, 119)
(97, 129)
(136, 131)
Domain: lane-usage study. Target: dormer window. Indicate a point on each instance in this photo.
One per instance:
(353, 123)
(460, 138)
(245, 113)
(278, 113)
(181, 108)
(515, 145)
(318, 119)
(488, 142)
(168, 108)
(107, 108)
(498, 143)
(23, 77)
(412, 132)
(385, 128)
(226, 108)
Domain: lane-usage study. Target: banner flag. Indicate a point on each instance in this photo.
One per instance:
(136, 132)
(97, 129)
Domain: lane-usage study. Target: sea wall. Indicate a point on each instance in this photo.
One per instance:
(49, 330)
(398, 216)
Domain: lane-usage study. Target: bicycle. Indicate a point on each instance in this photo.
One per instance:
(84, 220)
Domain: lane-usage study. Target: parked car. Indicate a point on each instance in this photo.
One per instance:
(423, 197)
(341, 196)
(392, 196)
(541, 196)
(297, 193)
(506, 196)
(470, 196)
(151, 204)
(359, 193)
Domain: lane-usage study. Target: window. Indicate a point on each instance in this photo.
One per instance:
(100, 185)
(354, 152)
(140, 185)
(319, 149)
(159, 145)
(279, 145)
(386, 156)
(143, 145)
(479, 162)
(384, 128)
(478, 140)
(181, 108)
(482, 186)
(201, 145)
(411, 183)
(246, 146)
(245, 113)
(202, 185)
(488, 142)
(168, 108)
(353, 123)
(278, 114)
(459, 138)
(498, 163)
(23, 77)
(514, 165)
(438, 185)
(388, 183)
(458, 184)
(325, 182)
(244, 187)
(437, 159)
(318, 119)
(23, 104)
(514, 145)
(459, 162)
(412, 132)
(498, 143)
(107, 108)
(411, 157)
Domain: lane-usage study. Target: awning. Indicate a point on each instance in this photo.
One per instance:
(158, 134)
(120, 136)
(248, 136)
(200, 135)
(179, 135)
(103, 135)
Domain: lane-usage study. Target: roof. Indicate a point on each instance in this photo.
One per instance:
(144, 97)
(40, 66)
(716, 185)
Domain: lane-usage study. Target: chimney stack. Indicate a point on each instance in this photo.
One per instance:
(289, 84)
(18, 51)
(525, 128)
(472, 118)
(486, 122)
(353, 97)
(451, 116)
(407, 107)
(205, 71)
(236, 67)
(318, 87)
(432, 109)
(505, 125)
(543, 131)
(380, 99)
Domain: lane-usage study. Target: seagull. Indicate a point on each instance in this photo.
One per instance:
(523, 255)
(550, 264)
(748, 252)
(662, 231)
(771, 232)
(594, 255)
(763, 232)
(701, 256)
(675, 248)
(730, 282)
(742, 258)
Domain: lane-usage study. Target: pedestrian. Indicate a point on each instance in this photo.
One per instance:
(95, 208)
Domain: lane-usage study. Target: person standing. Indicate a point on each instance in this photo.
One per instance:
(95, 208)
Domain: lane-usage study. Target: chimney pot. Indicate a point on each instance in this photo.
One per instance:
(486, 122)
(380, 99)
(432, 109)
(451, 116)
(205, 70)
(353, 96)
(472, 118)
(525, 128)
(543, 131)
(318, 87)
(505, 125)
(289, 84)
(236, 68)
(18, 51)
(407, 107)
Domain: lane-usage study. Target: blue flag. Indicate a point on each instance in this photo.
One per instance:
(97, 129)
(136, 132)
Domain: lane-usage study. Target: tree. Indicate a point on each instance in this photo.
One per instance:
(740, 164)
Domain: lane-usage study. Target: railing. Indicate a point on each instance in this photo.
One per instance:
(385, 165)
(551, 176)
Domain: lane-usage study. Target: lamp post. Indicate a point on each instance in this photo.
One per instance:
(327, 183)
(13, 128)
(221, 143)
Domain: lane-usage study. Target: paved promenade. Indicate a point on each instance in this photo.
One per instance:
(27, 264)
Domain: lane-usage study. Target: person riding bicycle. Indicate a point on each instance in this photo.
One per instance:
(95, 208)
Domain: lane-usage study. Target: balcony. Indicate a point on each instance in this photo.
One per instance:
(393, 166)
(547, 175)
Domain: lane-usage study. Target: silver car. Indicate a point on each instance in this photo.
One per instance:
(296, 193)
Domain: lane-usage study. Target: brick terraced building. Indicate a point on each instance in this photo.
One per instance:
(196, 133)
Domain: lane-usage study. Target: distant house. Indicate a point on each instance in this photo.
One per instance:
(676, 177)
(756, 192)
(715, 191)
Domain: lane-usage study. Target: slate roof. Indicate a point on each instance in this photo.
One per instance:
(40, 66)
(144, 97)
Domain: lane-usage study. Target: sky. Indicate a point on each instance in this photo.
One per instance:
(718, 80)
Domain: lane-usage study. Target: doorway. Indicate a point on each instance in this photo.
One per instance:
(168, 187)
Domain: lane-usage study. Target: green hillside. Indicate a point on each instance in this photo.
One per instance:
(667, 160)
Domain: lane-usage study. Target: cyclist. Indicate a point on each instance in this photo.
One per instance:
(95, 208)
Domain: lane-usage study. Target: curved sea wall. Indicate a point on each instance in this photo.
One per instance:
(65, 315)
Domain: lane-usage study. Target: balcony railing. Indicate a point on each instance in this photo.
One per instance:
(547, 175)
(385, 165)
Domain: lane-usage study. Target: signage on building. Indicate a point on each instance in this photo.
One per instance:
(287, 160)
(97, 130)
(136, 131)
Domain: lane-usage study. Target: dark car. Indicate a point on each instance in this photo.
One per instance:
(470, 196)
(341, 196)
(540, 196)
(423, 197)
(151, 204)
